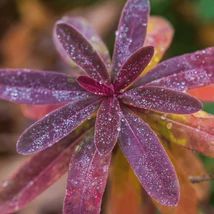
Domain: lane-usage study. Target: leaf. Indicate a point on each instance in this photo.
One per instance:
(39, 172)
(89, 33)
(148, 159)
(87, 178)
(131, 31)
(159, 35)
(125, 195)
(133, 67)
(36, 112)
(193, 131)
(94, 87)
(81, 52)
(192, 166)
(188, 201)
(160, 99)
(56, 125)
(38, 87)
(107, 125)
(182, 72)
(205, 93)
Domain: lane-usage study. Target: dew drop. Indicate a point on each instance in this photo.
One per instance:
(4, 183)
(169, 125)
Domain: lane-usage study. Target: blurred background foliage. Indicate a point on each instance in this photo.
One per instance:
(25, 41)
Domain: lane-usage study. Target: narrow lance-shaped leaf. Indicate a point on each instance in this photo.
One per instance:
(56, 125)
(133, 67)
(39, 172)
(193, 131)
(87, 178)
(131, 31)
(190, 70)
(81, 52)
(94, 86)
(107, 125)
(38, 87)
(160, 99)
(89, 33)
(148, 159)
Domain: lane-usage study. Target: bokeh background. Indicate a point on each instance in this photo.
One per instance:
(26, 42)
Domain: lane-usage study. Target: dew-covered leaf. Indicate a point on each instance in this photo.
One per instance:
(148, 159)
(131, 31)
(182, 72)
(125, 191)
(107, 125)
(37, 87)
(205, 93)
(161, 99)
(93, 86)
(89, 33)
(36, 112)
(39, 172)
(56, 125)
(188, 201)
(77, 47)
(133, 67)
(87, 178)
(193, 131)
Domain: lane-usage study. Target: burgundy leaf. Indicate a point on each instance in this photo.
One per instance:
(39, 172)
(56, 125)
(89, 33)
(81, 52)
(131, 31)
(94, 87)
(161, 99)
(148, 159)
(87, 178)
(107, 125)
(194, 67)
(38, 87)
(133, 67)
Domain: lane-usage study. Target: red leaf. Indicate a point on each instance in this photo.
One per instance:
(148, 159)
(39, 172)
(87, 178)
(133, 67)
(38, 87)
(107, 125)
(131, 31)
(81, 52)
(94, 87)
(160, 99)
(56, 125)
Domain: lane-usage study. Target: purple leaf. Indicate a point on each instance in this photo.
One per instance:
(107, 125)
(161, 99)
(148, 159)
(81, 52)
(89, 33)
(94, 87)
(56, 125)
(133, 67)
(39, 172)
(195, 69)
(37, 87)
(131, 31)
(87, 178)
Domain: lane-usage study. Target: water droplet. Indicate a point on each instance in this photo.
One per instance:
(169, 125)
(4, 183)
